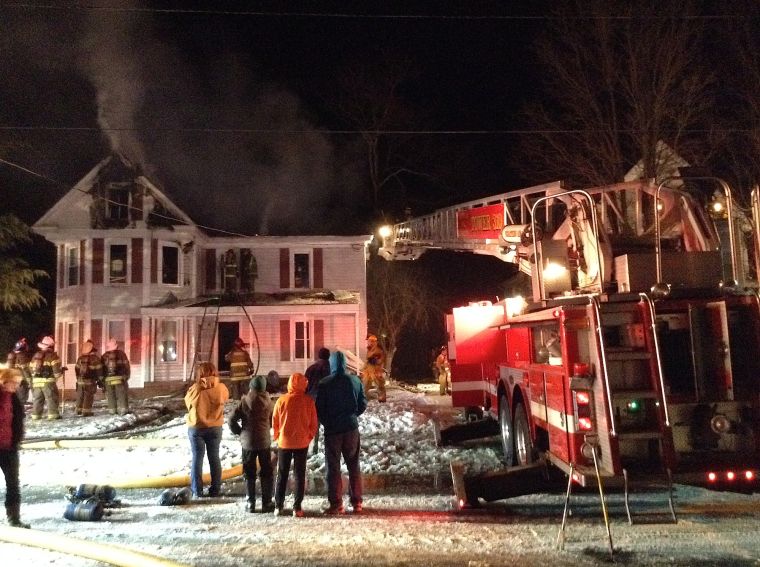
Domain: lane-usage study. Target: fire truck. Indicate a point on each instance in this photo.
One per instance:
(637, 350)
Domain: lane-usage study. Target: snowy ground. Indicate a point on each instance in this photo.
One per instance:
(409, 520)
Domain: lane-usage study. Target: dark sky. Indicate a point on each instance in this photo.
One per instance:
(227, 105)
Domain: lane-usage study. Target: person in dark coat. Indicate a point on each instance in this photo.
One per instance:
(252, 420)
(314, 373)
(11, 434)
(318, 370)
(340, 402)
(116, 372)
(19, 358)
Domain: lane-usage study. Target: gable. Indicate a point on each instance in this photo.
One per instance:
(114, 194)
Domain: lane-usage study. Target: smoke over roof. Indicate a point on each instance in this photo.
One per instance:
(235, 150)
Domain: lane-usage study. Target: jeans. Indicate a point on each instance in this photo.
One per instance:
(9, 463)
(346, 445)
(201, 440)
(284, 457)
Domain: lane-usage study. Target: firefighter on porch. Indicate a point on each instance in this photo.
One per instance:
(374, 369)
(89, 372)
(241, 369)
(19, 358)
(116, 375)
(45, 369)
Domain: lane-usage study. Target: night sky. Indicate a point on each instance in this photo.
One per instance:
(237, 100)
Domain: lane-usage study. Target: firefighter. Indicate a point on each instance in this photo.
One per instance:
(443, 371)
(89, 372)
(374, 370)
(45, 369)
(116, 375)
(19, 358)
(241, 369)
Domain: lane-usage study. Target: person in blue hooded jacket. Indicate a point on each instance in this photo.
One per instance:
(340, 402)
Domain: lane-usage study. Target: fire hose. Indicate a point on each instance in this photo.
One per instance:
(81, 548)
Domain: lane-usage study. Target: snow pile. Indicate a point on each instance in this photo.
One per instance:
(397, 440)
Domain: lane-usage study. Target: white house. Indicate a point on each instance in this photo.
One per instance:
(133, 266)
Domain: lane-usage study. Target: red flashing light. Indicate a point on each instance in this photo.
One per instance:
(712, 477)
(555, 313)
(584, 423)
(730, 475)
(749, 475)
(583, 398)
(461, 503)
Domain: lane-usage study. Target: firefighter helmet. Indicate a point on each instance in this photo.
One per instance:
(371, 338)
(239, 342)
(21, 345)
(46, 343)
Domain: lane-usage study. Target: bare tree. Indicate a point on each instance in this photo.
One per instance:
(739, 139)
(370, 98)
(618, 77)
(398, 300)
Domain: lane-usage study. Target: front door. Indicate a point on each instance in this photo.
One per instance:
(228, 332)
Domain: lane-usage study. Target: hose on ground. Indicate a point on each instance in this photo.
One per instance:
(81, 548)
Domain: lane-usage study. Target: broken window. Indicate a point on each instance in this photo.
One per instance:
(301, 271)
(170, 264)
(118, 203)
(72, 266)
(117, 263)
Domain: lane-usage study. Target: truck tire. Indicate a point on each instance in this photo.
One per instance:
(507, 431)
(524, 454)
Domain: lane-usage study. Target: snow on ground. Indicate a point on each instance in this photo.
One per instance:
(411, 521)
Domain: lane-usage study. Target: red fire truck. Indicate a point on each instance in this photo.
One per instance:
(636, 354)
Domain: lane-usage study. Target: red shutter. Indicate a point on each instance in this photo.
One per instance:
(135, 340)
(210, 269)
(285, 340)
(319, 334)
(98, 258)
(96, 334)
(59, 337)
(81, 261)
(61, 264)
(154, 261)
(137, 260)
(81, 335)
(284, 268)
(318, 279)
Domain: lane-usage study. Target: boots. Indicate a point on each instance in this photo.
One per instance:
(250, 492)
(13, 511)
(266, 495)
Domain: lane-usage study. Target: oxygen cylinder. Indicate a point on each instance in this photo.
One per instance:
(90, 510)
(104, 493)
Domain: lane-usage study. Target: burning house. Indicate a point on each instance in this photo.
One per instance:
(133, 266)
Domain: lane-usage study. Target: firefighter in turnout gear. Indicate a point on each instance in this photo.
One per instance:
(374, 369)
(89, 372)
(19, 358)
(116, 376)
(241, 369)
(45, 369)
(443, 371)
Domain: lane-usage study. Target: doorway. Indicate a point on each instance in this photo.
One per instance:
(228, 332)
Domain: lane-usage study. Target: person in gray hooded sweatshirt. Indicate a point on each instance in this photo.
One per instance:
(340, 402)
(252, 419)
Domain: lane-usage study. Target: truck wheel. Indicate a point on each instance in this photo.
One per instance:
(507, 433)
(523, 445)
